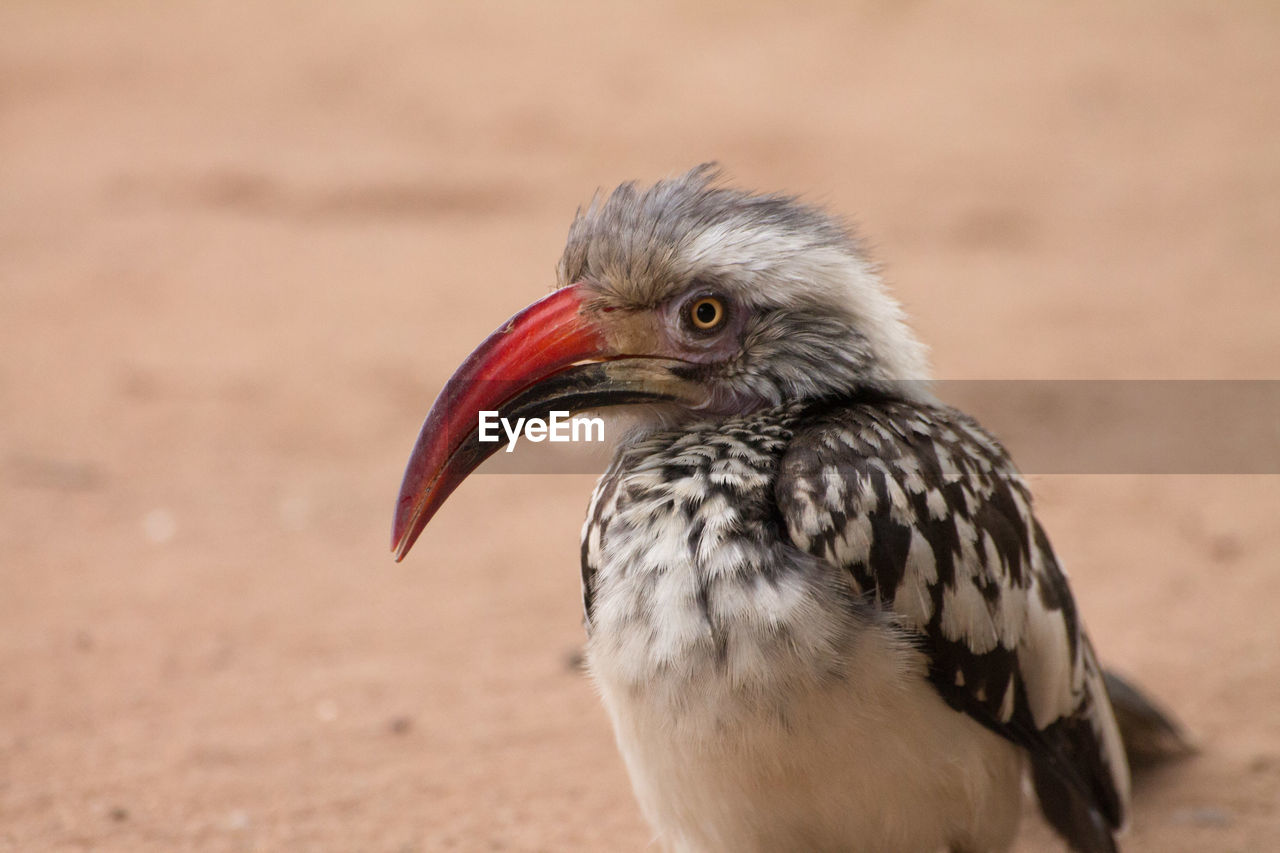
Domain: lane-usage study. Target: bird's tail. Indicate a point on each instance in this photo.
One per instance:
(1151, 735)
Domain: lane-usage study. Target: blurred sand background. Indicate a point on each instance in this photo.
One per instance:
(242, 246)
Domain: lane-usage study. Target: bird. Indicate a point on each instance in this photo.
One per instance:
(821, 613)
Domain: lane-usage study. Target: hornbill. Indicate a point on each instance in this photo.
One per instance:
(821, 613)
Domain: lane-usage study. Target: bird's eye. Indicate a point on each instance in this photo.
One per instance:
(706, 313)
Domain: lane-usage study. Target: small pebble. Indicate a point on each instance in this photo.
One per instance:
(159, 526)
(326, 710)
(575, 660)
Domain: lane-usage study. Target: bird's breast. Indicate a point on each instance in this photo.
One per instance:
(690, 577)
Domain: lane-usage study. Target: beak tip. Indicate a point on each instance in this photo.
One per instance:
(399, 548)
(401, 542)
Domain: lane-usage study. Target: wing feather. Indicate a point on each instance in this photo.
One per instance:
(931, 519)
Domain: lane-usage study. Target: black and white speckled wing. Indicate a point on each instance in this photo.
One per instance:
(932, 521)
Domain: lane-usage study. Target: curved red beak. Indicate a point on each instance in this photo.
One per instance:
(548, 356)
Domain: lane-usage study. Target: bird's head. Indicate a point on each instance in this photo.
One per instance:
(705, 300)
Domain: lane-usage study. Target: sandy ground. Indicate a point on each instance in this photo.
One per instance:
(240, 250)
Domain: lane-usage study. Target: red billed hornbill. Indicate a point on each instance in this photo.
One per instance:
(821, 613)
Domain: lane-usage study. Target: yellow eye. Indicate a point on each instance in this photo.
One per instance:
(706, 313)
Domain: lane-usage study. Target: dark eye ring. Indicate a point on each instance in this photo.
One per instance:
(706, 313)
